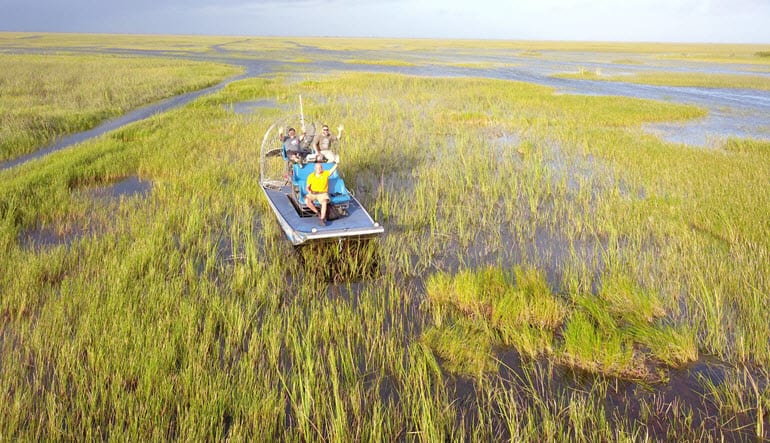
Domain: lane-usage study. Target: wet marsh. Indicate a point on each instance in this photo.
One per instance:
(550, 271)
(45, 97)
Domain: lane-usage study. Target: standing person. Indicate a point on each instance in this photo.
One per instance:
(291, 144)
(317, 188)
(322, 143)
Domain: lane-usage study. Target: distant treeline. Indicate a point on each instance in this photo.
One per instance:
(762, 53)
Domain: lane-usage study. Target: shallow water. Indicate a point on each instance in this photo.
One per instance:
(41, 237)
(128, 187)
(683, 392)
(732, 112)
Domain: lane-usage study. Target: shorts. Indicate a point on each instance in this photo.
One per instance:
(330, 156)
(319, 197)
(297, 156)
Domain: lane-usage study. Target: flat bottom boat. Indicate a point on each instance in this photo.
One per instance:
(283, 183)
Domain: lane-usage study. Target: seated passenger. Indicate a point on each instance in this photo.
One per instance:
(291, 143)
(322, 143)
(317, 188)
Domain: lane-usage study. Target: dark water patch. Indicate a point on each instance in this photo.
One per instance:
(126, 188)
(678, 407)
(251, 107)
(66, 233)
(46, 236)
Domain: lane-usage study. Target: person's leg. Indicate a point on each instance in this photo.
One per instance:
(309, 204)
(330, 156)
(323, 209)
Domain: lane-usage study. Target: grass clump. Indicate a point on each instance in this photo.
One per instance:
(620, 331)
(617, 332)
(529, 302)
(674, 346)
(465, 347)
(628, 301)
(600, 350)
(471, 292)
(520, 311)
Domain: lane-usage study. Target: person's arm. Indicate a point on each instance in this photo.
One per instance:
(334, 168)
(280, 134)
(316, 140)
(339, 132)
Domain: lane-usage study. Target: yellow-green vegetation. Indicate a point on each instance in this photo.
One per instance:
(57, 41)
(523, 314)
(516, 219)
(44, 97)
(703, 80)
(277, 46)
(612, 332)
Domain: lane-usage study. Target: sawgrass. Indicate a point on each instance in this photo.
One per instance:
(44, 97)
(694, 79)
(566, 234)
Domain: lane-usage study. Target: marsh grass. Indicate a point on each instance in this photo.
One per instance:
(43, 97)
(694, 79)
(192, 318)
(602, 333)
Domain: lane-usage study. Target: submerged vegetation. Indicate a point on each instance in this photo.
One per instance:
(571, 267)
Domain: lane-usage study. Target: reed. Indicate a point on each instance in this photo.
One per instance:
(45, 97)
(566, 237)
(692, 79)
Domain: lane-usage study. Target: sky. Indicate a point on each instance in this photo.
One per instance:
(717, 21)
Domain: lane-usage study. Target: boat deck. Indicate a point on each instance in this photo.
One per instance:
(358, 222)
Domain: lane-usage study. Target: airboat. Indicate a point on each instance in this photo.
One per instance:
(283, 179)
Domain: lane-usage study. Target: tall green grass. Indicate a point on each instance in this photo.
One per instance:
(516, 219)
(46, 96)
